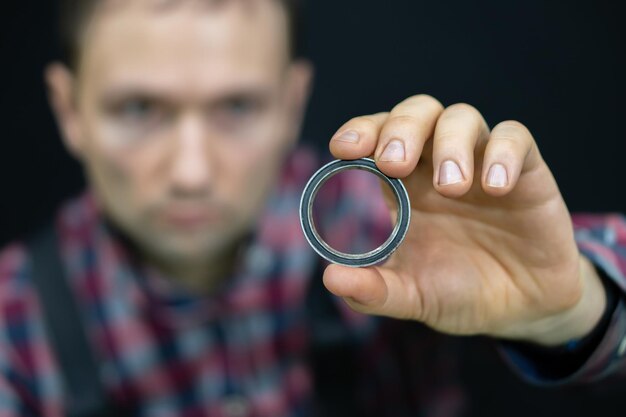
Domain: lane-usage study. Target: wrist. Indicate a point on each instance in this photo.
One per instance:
(561, 361)
(579, 320)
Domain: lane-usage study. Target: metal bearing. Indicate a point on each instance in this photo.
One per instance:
(356, 260)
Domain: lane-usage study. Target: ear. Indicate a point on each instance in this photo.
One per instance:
(300, 84)
(62, 97)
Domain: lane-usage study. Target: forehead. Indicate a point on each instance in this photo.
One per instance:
(185, 40)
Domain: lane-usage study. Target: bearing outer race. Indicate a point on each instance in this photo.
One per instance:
(355, 260)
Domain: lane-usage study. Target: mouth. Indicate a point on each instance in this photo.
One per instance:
(191, 218)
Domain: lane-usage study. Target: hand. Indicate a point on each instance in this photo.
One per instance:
(490, 249)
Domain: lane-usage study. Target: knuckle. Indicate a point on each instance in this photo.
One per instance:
(447, 135)
(403, 119)
(427, 100)
(463, 108)
(364, 122)
(512, 126)
(513, 131)
(465, 114)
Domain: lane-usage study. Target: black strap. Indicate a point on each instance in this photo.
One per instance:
(333, 354)
(85, 395)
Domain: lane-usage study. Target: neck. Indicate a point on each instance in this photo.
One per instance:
(204, 275)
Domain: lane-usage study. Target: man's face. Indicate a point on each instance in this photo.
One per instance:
(182, 117)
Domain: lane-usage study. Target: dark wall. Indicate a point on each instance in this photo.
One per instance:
(35, 173)
(556, 66)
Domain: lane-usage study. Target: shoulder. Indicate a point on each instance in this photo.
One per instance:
(604, 232)
(27, 369)
(602, 239)
(19, 317)
(18, 298)
(599, 221)
(14, 275)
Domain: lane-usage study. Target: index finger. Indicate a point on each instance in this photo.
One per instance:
(411, 122)
(358, 137)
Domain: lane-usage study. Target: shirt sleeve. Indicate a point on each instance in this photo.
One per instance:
(602, 239)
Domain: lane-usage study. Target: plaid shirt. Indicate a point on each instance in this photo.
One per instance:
(244, 350)
(603, 240)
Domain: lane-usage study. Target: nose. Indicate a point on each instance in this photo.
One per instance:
(192, 160)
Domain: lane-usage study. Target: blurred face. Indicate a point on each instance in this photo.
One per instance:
(182, 116)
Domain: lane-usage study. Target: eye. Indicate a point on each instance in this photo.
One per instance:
(137, 109)
(138, 116)
(237, 113)
(240, 106)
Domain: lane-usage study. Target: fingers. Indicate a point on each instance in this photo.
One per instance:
(396, 139)
(409, 125)
(373, 291)
(510, 151)
(459, 129)
(358, 137)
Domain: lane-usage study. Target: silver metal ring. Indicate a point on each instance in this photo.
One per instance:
(357, 260)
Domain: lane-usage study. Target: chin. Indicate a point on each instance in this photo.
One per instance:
(191, 248)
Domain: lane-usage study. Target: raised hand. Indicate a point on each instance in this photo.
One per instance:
(490, 249)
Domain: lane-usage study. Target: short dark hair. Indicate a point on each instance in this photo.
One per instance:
(74, 14)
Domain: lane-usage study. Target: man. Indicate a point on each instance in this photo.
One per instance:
(188, 267)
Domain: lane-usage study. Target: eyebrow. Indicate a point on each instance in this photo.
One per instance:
(165, 5)
(117, 94)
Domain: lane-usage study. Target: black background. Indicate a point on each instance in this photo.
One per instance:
(556, 66)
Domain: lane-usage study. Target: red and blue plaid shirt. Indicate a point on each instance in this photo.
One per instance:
(244, 350)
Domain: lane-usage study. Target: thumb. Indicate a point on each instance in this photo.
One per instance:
(374, 290)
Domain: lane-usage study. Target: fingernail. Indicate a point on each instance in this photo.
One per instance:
(394, 152)
(497, 176)
(351, 136)
(450, 173)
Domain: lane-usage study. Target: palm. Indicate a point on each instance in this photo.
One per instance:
(467, 261)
